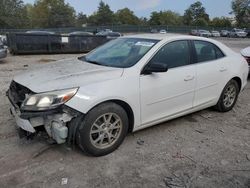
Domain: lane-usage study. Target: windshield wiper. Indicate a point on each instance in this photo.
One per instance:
(89, 61)
(94, 62)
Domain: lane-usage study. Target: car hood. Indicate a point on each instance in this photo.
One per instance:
(246, 52)
(66, 74)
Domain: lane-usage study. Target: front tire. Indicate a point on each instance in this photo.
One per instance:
(103, 129)
(228, 97)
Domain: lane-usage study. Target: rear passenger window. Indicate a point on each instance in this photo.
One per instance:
(174, 54)
(207, 51)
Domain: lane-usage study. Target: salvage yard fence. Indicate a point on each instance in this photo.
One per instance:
(120, 28)
(20, 42)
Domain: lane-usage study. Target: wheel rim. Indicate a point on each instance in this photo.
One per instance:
(229, 96)
(106, 130)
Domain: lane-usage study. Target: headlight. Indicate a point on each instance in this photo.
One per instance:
(47, 101)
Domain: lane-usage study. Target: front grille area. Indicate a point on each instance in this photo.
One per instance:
(17, 93)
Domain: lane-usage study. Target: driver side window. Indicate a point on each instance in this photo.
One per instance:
(174, 54)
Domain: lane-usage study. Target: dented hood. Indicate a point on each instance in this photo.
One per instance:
(66, 74)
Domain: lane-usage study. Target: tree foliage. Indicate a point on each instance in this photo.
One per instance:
(165, 18)
(103, 16)
(196, 14)
(58, 13)
(126, 16)
(220, 22)
(241, 9)
(13, 14)
(81, 19)
(51, 13)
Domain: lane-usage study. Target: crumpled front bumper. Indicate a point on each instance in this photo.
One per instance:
(22, 123)
(54, 121)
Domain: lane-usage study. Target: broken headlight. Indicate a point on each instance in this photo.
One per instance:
(47, 101)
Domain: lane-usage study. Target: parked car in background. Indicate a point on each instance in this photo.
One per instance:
(40, 32)
(224, 33)
(204, 33)
(3, 50)
(126, 85)
(109, 35)
(237, 33)
(248, 32)
(154, 31)
(194, 32)
(163, 31)
(215, 33)
(246, 53)
(4, 39)
(81, 33)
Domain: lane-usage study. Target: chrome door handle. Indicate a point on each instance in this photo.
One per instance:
(188, 78)
(223, 69)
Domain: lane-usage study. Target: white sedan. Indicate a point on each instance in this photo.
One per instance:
(126, 85)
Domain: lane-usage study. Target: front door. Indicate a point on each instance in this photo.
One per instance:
(171, 92)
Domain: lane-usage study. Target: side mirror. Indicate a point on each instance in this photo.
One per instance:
(155, 67)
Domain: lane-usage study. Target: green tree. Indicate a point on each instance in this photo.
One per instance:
(81, 19)
(220, 22)
(196, 14)
(126, 16)
(52, 13)
(155, 18)
(103, 16)
(143, 21)
(13, 14)
(200, 22)
(170, 18)
(165, 18)
(241, 10)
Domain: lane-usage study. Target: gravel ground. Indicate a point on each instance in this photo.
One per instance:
(204, 149)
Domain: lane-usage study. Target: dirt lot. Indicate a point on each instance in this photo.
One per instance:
(205, 149)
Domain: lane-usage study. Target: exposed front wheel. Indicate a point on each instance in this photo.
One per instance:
(228, 97)
(103, 129)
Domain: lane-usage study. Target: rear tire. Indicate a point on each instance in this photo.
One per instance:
(103, 129)
(228, 97)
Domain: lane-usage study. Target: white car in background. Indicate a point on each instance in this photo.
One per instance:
(215, 33)
(163, 31)
(204, 33)
(126, 85)
(237, 33)
(246, 53)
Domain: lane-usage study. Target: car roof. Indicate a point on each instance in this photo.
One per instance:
(168, 36)
(155, 36)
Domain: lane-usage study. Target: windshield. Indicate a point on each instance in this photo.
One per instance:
(122, 52)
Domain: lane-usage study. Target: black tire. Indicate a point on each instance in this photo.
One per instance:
(221, 105)
(86, 124)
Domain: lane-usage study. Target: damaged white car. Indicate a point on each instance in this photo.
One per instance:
(126, 85)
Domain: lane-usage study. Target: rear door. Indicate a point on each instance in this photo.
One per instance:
(211, 68)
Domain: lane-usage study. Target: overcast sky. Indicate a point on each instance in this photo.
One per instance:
(145, 7)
